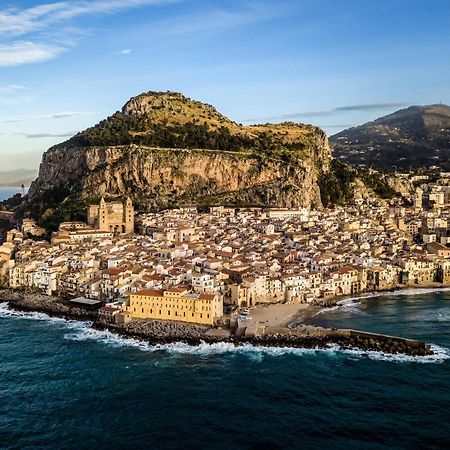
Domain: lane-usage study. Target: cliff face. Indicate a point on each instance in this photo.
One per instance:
(201, 158)
(167, 177)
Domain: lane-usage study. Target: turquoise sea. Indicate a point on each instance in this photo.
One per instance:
(65, 386)
(7, 192)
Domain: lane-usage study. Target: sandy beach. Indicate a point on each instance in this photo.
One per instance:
(281, 315)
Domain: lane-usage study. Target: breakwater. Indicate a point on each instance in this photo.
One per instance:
(164, 332)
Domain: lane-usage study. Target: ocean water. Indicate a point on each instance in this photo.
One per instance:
(63, 385)
(7, 192)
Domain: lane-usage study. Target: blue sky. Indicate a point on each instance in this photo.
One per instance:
(65, 65)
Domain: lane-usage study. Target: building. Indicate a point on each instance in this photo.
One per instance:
(438, 249)
(112, 216)
(175, 304)
(283, 213)
(418, 198)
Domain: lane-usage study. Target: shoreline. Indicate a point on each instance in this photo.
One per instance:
(167, 332)
(398, 290)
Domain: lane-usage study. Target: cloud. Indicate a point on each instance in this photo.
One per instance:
(60, 115)
(344, 125)
(42, 32)
(219, 19)
(12, 88)
(365, 107)
(26, 52)
(125, 51)
(48, 135)
(18, 22)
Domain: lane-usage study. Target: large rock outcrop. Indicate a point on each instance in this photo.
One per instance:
(164, 150)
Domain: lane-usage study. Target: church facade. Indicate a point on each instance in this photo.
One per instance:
(114, 216)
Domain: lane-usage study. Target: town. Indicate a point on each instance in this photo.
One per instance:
(197, 266)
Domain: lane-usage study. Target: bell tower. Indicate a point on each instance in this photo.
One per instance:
(103, 222)
(129, 216)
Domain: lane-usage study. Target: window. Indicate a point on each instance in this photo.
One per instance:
(142, 310)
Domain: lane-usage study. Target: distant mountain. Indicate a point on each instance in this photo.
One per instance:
(418, 136)
(17, 177)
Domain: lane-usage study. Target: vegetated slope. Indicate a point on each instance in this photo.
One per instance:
(414, 137)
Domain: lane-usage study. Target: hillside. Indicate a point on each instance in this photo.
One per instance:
(414, 137)
(166, 150)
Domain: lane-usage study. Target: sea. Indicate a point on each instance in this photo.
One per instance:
(8, 191)
(66, 386)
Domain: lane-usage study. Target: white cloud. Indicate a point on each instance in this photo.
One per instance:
(44, 29)
(22, 21)
(60, 115)
(49, 135)
(125, 51)
(26, 52)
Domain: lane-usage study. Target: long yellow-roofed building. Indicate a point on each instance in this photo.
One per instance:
(175, 304)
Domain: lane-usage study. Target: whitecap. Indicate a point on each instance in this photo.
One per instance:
(255, 353)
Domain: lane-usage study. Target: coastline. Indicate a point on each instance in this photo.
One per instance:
(398, 290)
(167, 332)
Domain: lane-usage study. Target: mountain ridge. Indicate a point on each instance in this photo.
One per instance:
(413, 137)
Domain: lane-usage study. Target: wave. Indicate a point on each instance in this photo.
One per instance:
(354, 303)
(350, 304)
(82, 331)
(256, 353)
(6, 311)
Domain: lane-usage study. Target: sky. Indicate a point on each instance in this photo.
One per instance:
(65, 65)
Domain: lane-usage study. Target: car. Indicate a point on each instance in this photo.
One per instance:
(244, 318)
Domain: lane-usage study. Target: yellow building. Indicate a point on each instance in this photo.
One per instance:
(175, 304)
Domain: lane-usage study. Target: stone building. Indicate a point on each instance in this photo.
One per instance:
(112, 216)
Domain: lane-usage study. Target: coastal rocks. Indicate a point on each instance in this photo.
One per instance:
(52, 306)
(159, 332)
(345, 339)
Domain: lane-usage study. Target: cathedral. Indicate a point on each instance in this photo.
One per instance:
(112, 216)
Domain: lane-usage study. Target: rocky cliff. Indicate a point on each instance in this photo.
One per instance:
(165, 150)
(276, 165)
